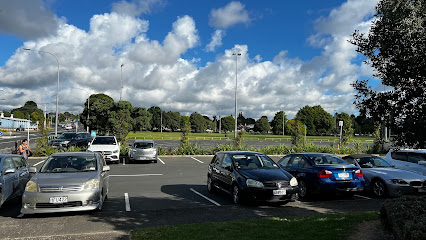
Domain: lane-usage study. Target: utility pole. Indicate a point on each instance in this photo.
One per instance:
(121, 88)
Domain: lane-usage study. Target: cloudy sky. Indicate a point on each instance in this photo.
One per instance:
(178, 54)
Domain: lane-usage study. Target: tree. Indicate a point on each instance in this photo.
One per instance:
(156, 116)
(228, 124)
(173, 120)
(262, 125)
(186, 130)
(6, 113)
(183, 119)
(395, 47)
(198, 123)
(277, 123)
(141, 119)
(306, 115)
(19, 114)
(323, 121)
(120, 120)
(99, 110)
(347, 131)
(297, 131)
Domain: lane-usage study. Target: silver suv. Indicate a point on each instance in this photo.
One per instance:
(408, 159)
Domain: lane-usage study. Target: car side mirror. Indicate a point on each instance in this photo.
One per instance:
(9, 171)
(106, 168)
(33, 170)
(423, 163)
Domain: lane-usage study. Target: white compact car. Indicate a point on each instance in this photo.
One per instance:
(107, 146)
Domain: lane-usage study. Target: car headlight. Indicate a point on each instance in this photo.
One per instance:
(116, 151)
(31, 187)
(293, 182)
(254, 183)
(398, 181)
(91, 184)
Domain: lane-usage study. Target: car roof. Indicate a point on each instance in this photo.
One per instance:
(314, 154)
(411, 150)
(144, 140)
(73, 154)
(240, 152)
(360, 155)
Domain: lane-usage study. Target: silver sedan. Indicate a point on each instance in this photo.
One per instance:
(383, 179)
(67, 182)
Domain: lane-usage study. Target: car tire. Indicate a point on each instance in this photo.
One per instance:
(378, 188)
(210, 186)
(101, 202)
(303, 190)
(236, 194)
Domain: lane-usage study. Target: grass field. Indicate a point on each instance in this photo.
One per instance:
(247, 136)
(321, 227)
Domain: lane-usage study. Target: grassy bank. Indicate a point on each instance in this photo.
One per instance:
(327, 227)
(247, 136)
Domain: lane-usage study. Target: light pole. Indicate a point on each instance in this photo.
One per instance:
(57, 89)
(236, 84)
(121, 88)
(88, 104)
(220, 119)
(283, 123)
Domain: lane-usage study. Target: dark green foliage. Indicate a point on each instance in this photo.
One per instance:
(141, 119)
(228, 124)
(198, 123)
(396, 48)
(172, 120)
(405, 217)
(99, 113)
(120, 120)
(297, 131)
(316, 119)
(347, 131)
(186, 130)
(262, 125)
(156, 116)
(277, 123)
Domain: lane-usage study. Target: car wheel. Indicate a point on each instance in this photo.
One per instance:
(378, 188)
(210, 186)
(303, 190)
(236, 195)
(101, 202)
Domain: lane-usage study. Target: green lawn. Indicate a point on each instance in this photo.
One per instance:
(247, 136)
(321, 227)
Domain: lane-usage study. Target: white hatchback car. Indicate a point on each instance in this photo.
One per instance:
(408, 159)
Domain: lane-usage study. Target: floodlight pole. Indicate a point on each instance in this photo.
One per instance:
(236, 85)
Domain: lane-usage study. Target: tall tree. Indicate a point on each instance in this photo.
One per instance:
(347, 130)
(262, 125)
(156, 116)
(306, 115)
(228, 124)
(173, 120)
(277, 123)
(120, 120)
(323, 121)
(198, 123)
(99, 111)
(141, 118)
(395, 47)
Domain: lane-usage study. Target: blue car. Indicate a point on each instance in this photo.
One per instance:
(320, 173)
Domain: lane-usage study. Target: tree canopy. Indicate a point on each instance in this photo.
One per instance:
(395, 47)
(262, 125)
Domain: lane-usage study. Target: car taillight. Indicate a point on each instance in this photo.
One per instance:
(358, 173)
(324, 174)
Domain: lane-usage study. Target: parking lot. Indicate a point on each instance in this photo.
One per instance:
(172, 191)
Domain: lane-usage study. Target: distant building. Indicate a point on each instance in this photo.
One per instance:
(14, 123)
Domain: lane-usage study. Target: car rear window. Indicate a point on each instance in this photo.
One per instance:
(143, 145)
(326, 160)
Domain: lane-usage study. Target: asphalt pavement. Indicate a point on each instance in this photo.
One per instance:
(169, 192)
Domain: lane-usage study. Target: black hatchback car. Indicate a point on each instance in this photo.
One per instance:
(68, 139)
(250, 176)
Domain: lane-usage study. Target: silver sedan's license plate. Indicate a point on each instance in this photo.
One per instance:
(58, 200)
(280, 192)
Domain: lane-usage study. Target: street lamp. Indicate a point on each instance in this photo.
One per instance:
(57, 89)
(88, 104)
(220, 119)
(121, 89)
(236, 84)
(283, 123)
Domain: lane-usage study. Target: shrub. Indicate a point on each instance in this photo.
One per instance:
(405, 217)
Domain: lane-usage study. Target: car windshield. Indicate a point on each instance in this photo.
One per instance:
(248, 162)
(104, 140)
(60, 164)
(372, 162)
(143, 145)
(326, 160)
(67, 136)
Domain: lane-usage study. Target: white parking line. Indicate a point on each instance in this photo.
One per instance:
(124, 161)
(160, 160)
(38, 163)
(138, 175)
(211, 200)
(126, 199)
(197, 160)
(362, 197)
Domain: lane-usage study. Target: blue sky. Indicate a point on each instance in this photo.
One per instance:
(295, 53)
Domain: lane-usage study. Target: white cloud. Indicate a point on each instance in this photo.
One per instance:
(228, 16)
(216, 40)
(137, 7)
(28, 19)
